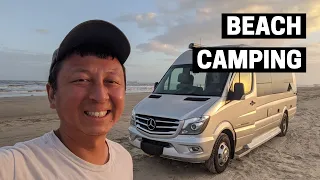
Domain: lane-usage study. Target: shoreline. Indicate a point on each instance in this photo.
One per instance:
(45, 94)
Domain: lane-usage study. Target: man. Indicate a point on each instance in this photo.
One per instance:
(87, 88)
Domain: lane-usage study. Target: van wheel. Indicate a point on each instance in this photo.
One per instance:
(220, 155)
(284, 125)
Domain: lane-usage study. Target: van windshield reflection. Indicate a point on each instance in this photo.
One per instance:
(180, 80)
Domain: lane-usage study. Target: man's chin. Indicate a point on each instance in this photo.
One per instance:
(96, 132)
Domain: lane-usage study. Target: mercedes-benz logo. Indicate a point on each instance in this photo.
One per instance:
(151, 124)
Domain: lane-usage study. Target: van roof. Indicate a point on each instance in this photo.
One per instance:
(186, 57)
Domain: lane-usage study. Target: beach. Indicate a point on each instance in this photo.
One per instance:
(295, 156)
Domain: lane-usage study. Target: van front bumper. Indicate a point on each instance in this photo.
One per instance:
(186, 148)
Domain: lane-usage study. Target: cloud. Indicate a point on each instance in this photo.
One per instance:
(159, 47)
(168, 59)
(42, 31)
(255, 9)
(24, 57)
(7, 50)
(313, 18)
(189, 21)
(23, 65)
(146, 21)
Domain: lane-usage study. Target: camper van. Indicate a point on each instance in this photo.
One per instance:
(212, 117)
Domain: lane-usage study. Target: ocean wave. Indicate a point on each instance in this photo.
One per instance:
(4, 90)
(16, 85)
(18, 88)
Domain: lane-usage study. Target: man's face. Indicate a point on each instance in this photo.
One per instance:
(90, 94)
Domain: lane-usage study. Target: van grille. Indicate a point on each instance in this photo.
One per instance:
(162, 126)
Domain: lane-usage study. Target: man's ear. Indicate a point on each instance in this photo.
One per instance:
(51, 96)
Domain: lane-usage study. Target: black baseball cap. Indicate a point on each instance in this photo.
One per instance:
(95, 32)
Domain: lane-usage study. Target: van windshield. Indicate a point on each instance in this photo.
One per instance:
(180, 80)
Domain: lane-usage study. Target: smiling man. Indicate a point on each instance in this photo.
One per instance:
(86, 86)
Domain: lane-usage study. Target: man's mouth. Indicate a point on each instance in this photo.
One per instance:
(98, 114)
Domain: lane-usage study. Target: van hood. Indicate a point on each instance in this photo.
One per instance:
(175, 106)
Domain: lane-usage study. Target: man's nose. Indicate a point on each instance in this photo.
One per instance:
(99, 93)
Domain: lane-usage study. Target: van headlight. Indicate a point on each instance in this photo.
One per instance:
(133, 118)
(195, 126)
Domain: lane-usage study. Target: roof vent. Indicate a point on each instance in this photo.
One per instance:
(194, 45)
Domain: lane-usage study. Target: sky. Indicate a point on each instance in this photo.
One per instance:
(158, 31)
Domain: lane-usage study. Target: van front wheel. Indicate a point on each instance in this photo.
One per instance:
(220, 155)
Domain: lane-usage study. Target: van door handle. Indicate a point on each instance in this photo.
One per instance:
(252, 103)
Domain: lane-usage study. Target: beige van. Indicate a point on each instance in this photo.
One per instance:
(212, 117)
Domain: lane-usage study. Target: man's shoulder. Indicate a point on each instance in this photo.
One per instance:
(120, 158)
(14, 156)
(29, 145)
(118, 148)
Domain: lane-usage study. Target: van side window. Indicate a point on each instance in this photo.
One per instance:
(281, 82)
(273, 83)
(246, 79)
(174, 78)
(166, 85)
(264, 84)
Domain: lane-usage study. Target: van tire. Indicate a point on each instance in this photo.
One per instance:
(222, 144)
(284, 125)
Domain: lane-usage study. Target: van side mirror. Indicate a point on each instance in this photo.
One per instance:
(155, 85)
(238, 92)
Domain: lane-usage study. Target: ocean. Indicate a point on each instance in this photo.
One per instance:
(10, 88)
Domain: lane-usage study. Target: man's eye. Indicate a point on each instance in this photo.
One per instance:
(112, 82)
(81, 80)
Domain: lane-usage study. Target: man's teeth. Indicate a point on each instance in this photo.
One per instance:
(97, 114)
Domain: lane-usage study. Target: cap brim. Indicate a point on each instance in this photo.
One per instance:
(97, 32)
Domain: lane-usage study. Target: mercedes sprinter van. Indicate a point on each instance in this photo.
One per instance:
(212, 117)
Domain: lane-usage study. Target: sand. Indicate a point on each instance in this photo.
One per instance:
(296, 156)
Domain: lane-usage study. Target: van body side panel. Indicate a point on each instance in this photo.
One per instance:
(283, 94)
(264, 103)
(291, 112)
(264, 115)
(274, 96)
(270, 110)
(282, 101)
(223, 126)
(242, 116)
